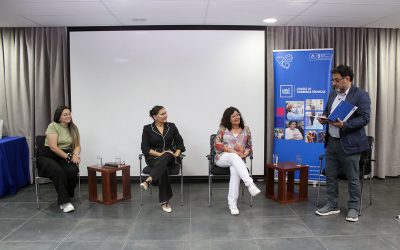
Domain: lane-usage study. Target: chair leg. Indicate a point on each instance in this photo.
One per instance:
(209, 190)
(181, 190)
(141, 191)
(361, 198)
(37, 193)
(319, 186)
(79, 188)
(370, 188)
(251, 201)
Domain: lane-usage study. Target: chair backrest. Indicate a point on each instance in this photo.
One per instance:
(366, 156)
(39, 144)
(212, 148)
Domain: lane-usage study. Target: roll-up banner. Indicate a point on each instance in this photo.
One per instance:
(302, 86)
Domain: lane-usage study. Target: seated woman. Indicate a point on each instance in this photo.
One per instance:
(161, 144)
(293, 133)
(60, 157)
(232, 146)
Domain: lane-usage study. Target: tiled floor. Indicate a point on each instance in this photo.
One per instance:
(266, 225)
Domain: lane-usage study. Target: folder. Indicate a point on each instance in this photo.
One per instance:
(343, 111)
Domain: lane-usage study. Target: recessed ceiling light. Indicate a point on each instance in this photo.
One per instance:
(139, 19)
(270, 20)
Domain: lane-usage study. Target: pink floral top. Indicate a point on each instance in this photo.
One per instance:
(240, 143)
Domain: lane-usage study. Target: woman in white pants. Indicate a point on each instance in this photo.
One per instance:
(232, 146)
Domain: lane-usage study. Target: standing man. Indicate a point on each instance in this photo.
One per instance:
(344, 142)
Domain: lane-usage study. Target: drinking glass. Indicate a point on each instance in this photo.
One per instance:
(99, 161)
(298, 160)
(275, 159)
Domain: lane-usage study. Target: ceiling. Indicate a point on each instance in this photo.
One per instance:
(317, 13)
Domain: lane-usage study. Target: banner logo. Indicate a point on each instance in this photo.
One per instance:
(285, 60)
(320, 56)
(286, 91)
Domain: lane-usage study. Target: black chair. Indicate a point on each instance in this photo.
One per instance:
(177, 170)
(365, 170)
(214, 170)
(39, 145)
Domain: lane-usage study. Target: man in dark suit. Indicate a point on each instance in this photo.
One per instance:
(344, 142)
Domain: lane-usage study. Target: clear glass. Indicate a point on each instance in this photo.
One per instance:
(118, 159)
(298, 160)
(275, 159)
(99, 161)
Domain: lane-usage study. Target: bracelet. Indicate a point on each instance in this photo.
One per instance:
(69, 158)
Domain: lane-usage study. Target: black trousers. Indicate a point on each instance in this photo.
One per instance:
(159, 173)
(63, 174)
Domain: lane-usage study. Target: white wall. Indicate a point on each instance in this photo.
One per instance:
(118, 76)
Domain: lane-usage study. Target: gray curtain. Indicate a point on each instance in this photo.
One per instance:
(33, 78)
(373, 55)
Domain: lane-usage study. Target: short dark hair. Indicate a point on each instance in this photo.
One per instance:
(226, 118)
(154, 111)
(344, 71)
(290, 123)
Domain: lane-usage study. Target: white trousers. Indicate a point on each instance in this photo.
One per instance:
(238, 171)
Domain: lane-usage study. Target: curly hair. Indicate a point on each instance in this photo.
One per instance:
(226, 118)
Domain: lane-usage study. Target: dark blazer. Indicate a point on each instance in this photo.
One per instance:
(352, 135)
(169, 140)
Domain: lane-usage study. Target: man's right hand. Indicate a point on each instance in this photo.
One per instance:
(322, 119)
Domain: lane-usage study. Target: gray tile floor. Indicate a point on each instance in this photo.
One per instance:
(266, 225)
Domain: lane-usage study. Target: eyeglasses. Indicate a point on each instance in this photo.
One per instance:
(337, 80)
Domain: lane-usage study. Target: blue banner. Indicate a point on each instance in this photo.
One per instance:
(302, 86)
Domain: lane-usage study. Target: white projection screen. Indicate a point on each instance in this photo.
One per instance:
(118, 76)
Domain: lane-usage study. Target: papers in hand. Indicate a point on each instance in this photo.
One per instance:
(320, 117)
(343, 111)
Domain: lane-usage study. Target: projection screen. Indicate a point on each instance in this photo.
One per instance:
(118, 76)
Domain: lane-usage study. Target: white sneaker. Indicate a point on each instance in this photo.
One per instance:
(166, 208)
(234, 210)
(63, 205)
(253, 189)
(68, 207)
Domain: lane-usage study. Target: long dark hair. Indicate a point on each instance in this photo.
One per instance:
(154, 111)
(73, 129)
(226, 118)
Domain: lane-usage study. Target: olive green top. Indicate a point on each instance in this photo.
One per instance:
(64, 139)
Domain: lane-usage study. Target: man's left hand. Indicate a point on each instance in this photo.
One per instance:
(338, 123)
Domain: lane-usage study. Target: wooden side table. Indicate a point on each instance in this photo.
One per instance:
(109, 184)
(286, 193)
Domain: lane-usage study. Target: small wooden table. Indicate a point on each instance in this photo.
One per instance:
(109, 184)
(286, 193)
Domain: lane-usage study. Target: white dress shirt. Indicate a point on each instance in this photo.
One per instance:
(334, 131)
